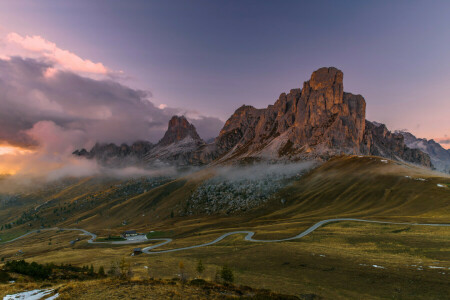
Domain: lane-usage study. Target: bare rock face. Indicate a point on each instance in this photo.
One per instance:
(179, 129)
(112, 155)
(440, 157)
(318, 120)
(180, 146)
(379, 141)
(315, 122)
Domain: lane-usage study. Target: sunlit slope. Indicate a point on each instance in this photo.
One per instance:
(367, 187)
(348, 186)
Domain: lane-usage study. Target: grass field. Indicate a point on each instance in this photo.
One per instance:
(338, 261)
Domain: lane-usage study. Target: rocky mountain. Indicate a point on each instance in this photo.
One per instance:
(113, 155)
(440, 157)
(180, 145)
(379, 141)
(317, 121)
(178, 130)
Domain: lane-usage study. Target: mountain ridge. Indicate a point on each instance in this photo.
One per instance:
(318, 121)
(439, 156)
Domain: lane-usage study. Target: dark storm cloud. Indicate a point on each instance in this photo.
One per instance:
(36, 102)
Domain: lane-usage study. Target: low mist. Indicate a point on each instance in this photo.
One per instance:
(263, 170)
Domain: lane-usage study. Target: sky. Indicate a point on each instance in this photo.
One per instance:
(115, 71)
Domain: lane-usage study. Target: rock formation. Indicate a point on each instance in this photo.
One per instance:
(379, 141)
(179, 146)
(318, 121)
(440, 157)
(315, 122)
(117, 156)
(179, 129)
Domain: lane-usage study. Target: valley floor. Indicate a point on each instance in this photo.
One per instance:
(338, 261)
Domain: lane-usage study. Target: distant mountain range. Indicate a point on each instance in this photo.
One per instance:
(440, 157)
(316, 122)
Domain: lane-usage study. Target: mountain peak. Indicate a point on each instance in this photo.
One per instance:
(326, 77)
(178, 129)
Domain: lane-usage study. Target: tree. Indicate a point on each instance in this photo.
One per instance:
(227, 274)
(123, 268)
(200, 268)
(91, 270)
(114, 270)
(183, 275)
(101, 271)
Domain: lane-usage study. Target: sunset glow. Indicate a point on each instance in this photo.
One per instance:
(6, 149)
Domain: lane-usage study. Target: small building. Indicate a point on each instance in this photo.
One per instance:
(129, 233)
(136, 251)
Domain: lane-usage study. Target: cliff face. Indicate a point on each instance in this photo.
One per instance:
(315, 122)
(179, 128)
(180, 145)
(112, 155)
(379, 141)
(440, 157)
(318, 121)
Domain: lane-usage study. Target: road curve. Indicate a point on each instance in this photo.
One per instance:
(250, 234)
(248, 237)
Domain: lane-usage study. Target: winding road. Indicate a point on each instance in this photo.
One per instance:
(248, 237)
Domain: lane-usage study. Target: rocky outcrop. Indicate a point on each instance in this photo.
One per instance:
(179, 129)
(379, 141)
(440, 157)
(318, 120)
(113, 155)
(180, 146)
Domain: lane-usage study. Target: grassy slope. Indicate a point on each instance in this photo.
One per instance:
(368, 187)
(342, 187)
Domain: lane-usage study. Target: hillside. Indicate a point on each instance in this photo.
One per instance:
(347, 186)
(334, 262)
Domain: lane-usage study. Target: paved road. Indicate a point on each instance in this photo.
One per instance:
(248, 237)
(134, 240)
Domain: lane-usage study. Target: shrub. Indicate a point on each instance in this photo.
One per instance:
(4, 277)
(101, 271)
(183, 275)
(34, 269)
(198, 282)
(114, 270)
(200, 268)
(227, 274)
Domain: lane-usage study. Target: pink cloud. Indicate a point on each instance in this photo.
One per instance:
(65, 59)
(54, 139)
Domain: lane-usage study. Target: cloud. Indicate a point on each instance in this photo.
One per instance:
(54, 115)
(52, 102)
(98, 110)
(63, 59)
